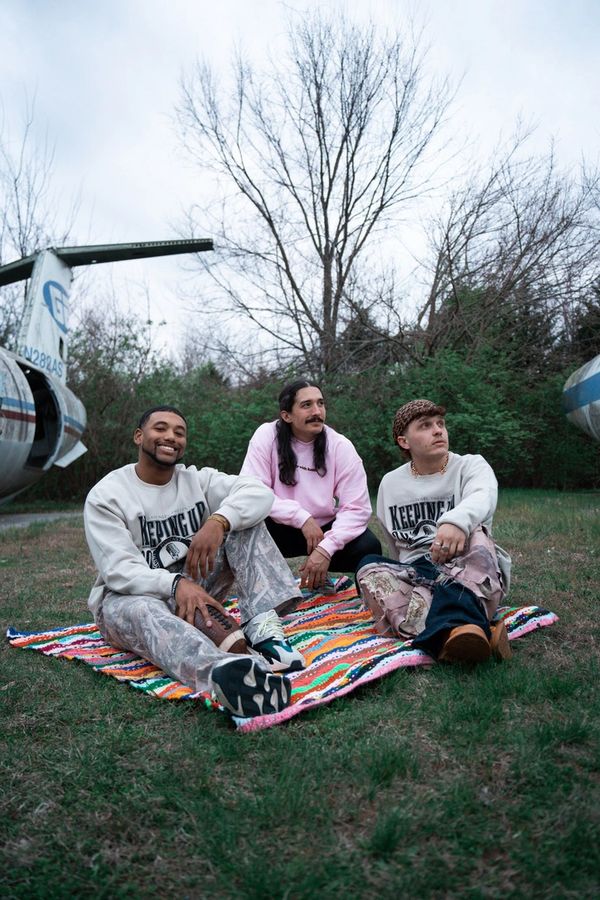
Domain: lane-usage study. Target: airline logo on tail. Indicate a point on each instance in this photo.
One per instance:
(56, 299)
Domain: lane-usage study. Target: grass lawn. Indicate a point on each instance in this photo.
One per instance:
(430, 783)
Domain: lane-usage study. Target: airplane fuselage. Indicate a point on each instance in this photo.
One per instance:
(41, 423)
(581, 398)
(41, 420)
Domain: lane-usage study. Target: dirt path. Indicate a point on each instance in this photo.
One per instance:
(22, 520)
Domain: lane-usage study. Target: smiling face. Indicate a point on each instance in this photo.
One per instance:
(426, 439)
(161, 443)
(307, 415)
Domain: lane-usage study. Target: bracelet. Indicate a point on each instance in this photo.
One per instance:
(217, 517)
(323, 553)
(174, 584)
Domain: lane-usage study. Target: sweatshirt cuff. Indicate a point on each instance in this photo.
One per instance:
(159, 585)
(329, 544)
(449, 519)
(300, 518)
(231, 514)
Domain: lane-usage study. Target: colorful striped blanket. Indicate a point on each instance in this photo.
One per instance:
(336, 635)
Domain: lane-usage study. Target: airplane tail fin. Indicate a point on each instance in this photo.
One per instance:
(43, 336)
(44, 330)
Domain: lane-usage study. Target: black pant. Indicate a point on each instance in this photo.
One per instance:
(452, 604)
(291, 542)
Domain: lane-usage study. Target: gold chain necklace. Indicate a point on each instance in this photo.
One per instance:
(441, 471)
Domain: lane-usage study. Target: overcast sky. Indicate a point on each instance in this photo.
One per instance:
(105, 79)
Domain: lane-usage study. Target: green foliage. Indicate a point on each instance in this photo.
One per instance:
(519, 426)
(585, 340)
(481, 418)
(513, 419)
(556, 453)
(222, 425)
(517, 327)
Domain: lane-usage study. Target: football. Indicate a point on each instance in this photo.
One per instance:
(224, 631)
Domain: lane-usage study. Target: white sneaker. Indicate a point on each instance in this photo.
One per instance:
(264, 632)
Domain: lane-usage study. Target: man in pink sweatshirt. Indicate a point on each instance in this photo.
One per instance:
(322, 505)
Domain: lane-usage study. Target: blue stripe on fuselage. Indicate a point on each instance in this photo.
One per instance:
(581, 394)
(73, 423)
(25, 406)
(15, 403)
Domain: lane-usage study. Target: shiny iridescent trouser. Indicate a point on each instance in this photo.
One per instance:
(421, 600)
(248, 565)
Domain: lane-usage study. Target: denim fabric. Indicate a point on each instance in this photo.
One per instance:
(451, 603)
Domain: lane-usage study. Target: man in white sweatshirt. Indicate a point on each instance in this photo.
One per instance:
(446, 577)
(169, 541)
(322, 505)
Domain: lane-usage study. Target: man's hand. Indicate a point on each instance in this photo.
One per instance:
(449, 542)
(190, 597)
(203, 549)
(314, 571)
(313, 534)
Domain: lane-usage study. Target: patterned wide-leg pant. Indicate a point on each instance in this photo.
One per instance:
(422, 601)
(248, 564)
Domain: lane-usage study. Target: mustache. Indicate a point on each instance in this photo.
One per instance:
(314, 419)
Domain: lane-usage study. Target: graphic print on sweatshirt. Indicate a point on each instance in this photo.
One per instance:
(415, 524)
(165, 540)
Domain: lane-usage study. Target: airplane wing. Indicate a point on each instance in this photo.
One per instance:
(18, 270)
(99, 253)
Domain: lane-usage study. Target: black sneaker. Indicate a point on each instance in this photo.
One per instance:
(246, 689)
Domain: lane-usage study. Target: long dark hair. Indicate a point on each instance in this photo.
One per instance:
(285, 452)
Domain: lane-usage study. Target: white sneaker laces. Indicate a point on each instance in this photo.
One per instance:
(265, 626)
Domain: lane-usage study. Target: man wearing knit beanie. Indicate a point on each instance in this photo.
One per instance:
(445, 576)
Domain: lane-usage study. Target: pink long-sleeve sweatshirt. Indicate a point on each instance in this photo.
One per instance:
(341, 494)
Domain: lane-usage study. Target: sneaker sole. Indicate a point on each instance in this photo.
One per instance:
(246, 690)
(278, 665)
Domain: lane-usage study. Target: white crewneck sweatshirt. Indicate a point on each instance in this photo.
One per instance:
(411, 508)
(139, 533)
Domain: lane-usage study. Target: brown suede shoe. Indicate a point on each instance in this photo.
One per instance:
(466, 643)
(499, 642)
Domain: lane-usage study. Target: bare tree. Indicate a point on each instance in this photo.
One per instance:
(27, 219)
(316, 157)
(517, 250)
